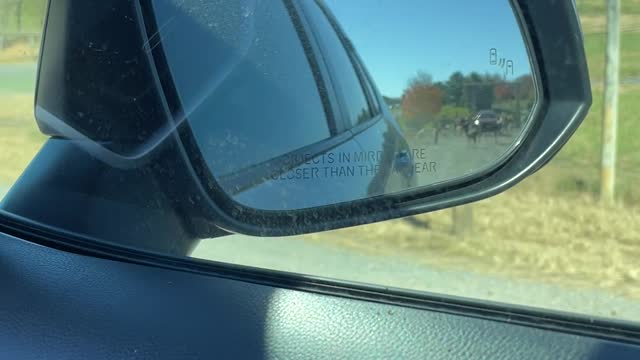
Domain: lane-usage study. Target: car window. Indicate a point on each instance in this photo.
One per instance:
(374, 104)
(345, 76)
(548, 242)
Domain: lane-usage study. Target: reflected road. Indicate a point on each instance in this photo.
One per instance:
(457, 156)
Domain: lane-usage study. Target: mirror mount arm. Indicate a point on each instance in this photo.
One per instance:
(74, 193)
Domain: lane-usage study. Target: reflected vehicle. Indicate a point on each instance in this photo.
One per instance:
(486, 120)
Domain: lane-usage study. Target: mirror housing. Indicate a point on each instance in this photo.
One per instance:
(105, 73)
(93, 85)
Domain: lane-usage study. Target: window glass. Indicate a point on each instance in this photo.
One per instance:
(375, 105)
(344, 73)
(20, 138)
(548, 242)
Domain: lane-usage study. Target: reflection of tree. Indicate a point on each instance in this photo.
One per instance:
(421, 78)
(421, 101)
(524, 89)
(463, 95)
(454, 89)
(503, 92)
(450, 112)
(478, 91)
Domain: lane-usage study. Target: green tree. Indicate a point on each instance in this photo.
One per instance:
(478, 91)
(451, 112)
(455, 89)
(421, 78)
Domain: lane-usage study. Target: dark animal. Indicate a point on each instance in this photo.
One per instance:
(485, 122)
(469, 130)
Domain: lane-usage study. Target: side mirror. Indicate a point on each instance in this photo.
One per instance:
(302, 116)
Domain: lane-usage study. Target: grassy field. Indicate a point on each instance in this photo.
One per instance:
(31, 19)
(570, 241)
(20, 138)
(549, 228)
(19, 53)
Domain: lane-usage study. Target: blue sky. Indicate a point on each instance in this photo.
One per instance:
(397, 38)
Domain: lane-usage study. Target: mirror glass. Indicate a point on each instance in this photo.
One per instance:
(300, 104)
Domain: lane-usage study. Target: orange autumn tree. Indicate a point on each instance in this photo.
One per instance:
(421, 101)
(503, 91)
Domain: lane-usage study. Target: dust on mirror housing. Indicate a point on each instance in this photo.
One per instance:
(301, 116)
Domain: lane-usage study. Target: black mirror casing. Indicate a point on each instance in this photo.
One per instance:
(552, 33)
(98, 86)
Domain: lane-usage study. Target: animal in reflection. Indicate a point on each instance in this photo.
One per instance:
(485, 122)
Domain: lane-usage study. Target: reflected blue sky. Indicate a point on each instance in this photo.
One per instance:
(396, 38)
